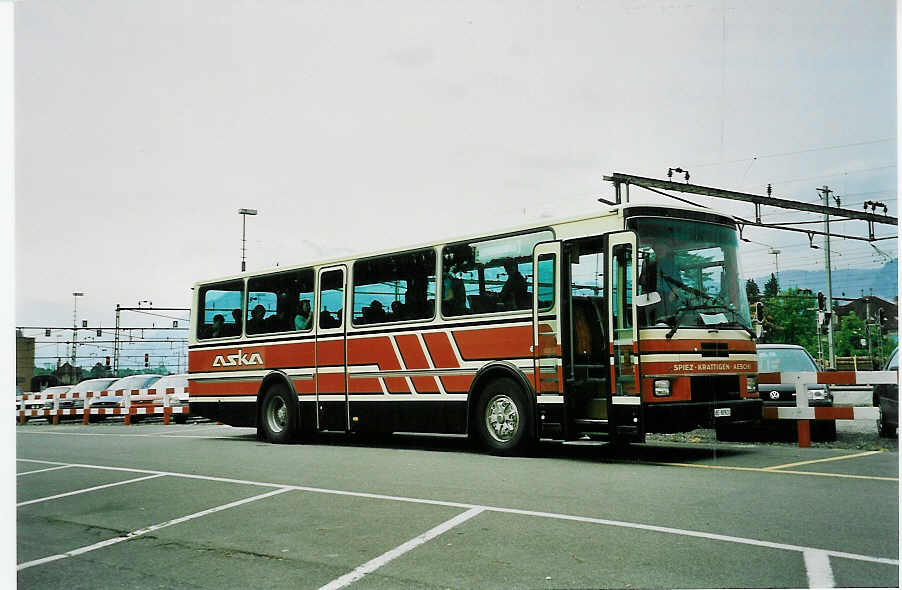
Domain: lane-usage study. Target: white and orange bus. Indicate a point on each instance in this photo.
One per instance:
(628, 322)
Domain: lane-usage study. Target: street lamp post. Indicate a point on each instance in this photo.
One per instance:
(244, 213)
(75, 297)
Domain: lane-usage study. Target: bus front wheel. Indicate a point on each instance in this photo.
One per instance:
(279, 416)
(503, 417)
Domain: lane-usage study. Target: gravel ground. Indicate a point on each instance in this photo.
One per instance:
(850, 434)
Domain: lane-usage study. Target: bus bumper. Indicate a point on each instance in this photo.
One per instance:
(664, 417)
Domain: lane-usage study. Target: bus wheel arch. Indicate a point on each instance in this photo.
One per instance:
(277, 409)
(498, 386)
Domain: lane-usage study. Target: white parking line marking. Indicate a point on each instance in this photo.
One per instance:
(796, 464)
(144, 531)
(374, 564)
(82, 491)
(557, 516)
(155, 435)
(43, 470)
(820, 574)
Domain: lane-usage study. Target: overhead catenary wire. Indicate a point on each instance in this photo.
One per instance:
(796, 152)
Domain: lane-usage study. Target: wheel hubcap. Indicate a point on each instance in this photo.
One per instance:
(502, 418)
(277, 415)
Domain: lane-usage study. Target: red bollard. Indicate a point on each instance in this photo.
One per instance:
(166, 412)
(128, 419)
(56, 419)
(804, 433)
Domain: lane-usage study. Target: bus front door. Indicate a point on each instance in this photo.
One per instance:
(331, 365)
(546, 316)
(625, 399)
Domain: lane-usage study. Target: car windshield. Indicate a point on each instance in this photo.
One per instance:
(694, 269)
(92, 385)
(893, 364)
(784, 360)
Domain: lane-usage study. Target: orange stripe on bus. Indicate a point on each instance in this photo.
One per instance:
(440, 350)
(425, 384)
(412, 352)
(373, 351)
(494, 343)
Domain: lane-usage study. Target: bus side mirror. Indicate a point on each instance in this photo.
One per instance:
(647, 299)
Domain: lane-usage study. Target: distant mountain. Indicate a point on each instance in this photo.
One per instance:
(882, 282)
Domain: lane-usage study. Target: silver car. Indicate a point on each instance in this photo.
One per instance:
(179, 398)
(114, 400)
(72, 402)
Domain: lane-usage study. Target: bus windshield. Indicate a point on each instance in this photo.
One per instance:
(689, 275)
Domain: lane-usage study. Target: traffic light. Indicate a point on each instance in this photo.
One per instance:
(99, 332)
(47, 333)
(881, 317)
(146, 360)
(821, 300)
(107, 363)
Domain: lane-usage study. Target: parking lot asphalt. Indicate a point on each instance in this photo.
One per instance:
(208, 506)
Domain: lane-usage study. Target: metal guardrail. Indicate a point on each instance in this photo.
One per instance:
(160, 404)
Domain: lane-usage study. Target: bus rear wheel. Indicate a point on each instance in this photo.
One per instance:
(279, 416)
(503, 418)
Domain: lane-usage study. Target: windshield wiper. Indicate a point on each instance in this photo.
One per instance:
(678, 314)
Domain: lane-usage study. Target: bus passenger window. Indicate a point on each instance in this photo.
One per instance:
(394, 288)
(280, 302)
(489, 276)
(331, 297)
(218, 302)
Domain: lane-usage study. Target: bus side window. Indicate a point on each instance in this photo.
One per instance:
(276, 302)
(394, 288)
(331, 296)
(218, 302)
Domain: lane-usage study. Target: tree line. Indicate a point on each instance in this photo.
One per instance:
(790, 317)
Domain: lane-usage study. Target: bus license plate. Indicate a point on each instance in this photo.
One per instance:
(721, 412)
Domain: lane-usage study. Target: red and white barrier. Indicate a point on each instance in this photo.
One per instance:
(150, 403)
(803, 413)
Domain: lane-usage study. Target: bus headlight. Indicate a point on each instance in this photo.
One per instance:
(751, 384)
(662, 387)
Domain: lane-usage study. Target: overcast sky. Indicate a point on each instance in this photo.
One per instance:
(142, 127)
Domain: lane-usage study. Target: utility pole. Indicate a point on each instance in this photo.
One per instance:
(825, 192)
(867, 328)
(75, 297)
(776, 253)
(244, 213)
(116, 344)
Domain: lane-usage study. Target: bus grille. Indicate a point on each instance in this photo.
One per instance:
(716, 349)
(711, 388)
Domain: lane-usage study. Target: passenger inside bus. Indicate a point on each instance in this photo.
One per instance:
(374, 313)
(234, 329)
(255, 324)
(218, 330)
(514, 293)
(304, 316)
(397, 310)
(329, 319)
(454, 295)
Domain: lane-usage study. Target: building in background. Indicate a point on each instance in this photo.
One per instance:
(24, 361)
